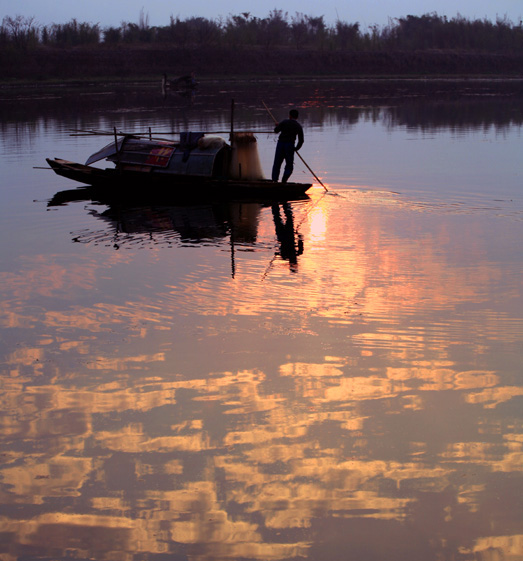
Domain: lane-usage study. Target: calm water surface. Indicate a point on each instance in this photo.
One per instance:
(331, 379)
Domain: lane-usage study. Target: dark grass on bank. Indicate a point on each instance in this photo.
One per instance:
(47, 63)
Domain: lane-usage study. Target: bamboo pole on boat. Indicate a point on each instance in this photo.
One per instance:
(299, 155)
(80, 132)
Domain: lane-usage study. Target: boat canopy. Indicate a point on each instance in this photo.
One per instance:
(109, 150)
(194, 155)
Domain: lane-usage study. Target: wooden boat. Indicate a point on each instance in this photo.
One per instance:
(197, 166)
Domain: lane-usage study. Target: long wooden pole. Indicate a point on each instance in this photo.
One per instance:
(232, 122)
(299, 155)
(146, 134)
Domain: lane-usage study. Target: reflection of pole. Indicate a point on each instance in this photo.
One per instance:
(230, 220)
(232, 122)
(299, 155)
(233, 262)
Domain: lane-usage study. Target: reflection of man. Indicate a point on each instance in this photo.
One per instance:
(289, 129)
(290, 248)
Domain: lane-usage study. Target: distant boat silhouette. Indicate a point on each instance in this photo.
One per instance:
(187, 82)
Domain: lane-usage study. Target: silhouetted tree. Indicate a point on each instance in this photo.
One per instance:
(112, 35)
(73, 33)
(274, 29)
(428, 32)
(347, 36)
(20, 31)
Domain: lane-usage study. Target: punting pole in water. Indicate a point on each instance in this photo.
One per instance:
(299, 155)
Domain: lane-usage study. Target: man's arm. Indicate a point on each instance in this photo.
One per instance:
(300, 139)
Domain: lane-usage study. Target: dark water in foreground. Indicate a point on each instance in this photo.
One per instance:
(337, 378)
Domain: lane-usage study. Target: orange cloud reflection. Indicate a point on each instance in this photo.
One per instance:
(222, 418)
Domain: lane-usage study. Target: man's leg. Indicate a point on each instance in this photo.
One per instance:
(289, 163)
(279, 156)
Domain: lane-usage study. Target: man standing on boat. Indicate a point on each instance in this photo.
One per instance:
(289, 129)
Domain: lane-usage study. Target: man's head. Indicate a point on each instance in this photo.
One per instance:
(293, 114)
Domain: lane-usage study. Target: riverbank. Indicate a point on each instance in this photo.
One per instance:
(143, 62)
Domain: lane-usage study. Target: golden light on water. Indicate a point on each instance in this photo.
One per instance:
(264, 381)
(317, 223)
(282, 456)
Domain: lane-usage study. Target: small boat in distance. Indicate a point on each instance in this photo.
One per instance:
(198, 165)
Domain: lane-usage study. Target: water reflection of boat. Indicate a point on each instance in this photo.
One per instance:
(195, 166)
(235, 223)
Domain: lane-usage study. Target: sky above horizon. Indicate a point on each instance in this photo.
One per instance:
(371, 12)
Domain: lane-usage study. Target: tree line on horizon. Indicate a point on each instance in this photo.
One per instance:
(277, 30)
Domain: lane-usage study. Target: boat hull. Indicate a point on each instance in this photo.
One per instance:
(122, 182)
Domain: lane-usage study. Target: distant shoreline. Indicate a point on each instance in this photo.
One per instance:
(144, 63)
